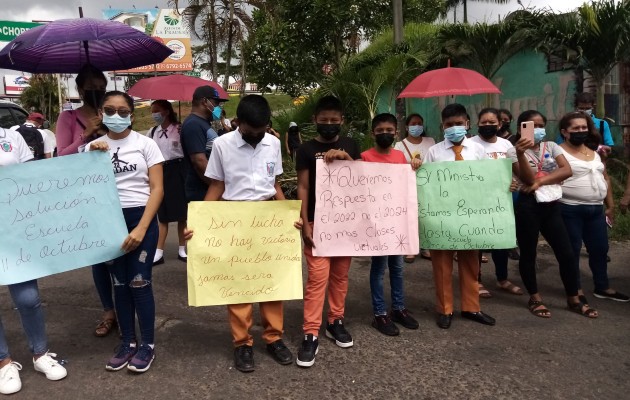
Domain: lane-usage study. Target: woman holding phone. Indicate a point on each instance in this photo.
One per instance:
(542, 164)
(583, 198)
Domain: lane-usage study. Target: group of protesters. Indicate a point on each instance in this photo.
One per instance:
(561, 191)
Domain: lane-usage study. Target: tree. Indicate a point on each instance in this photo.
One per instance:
(42, 95)
(453, 4)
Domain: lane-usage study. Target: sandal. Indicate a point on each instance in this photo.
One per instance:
(409, 259)
(484, 259)
(105, 326)
(426, 254)
(537, 308)
(583, 308)
(483, 292)
(455, 256)
(510, 287)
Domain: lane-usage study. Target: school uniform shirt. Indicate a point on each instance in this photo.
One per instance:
(443, 151)
(168, 140)
(496, 150)
(13, 148)
(49, 141)
(417, 150)
(393, 157)
(131, 159)
(249, 173)
(197, 136)
(308, 154)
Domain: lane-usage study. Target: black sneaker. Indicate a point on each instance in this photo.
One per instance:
(385, 325)
(339, 334)
(244, 358)
(404, 318)
(307, 352)
(280, 352)
(600, 294)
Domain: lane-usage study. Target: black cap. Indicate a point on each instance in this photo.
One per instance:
(207, 92)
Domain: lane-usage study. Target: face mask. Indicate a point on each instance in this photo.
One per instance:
(539, 134)
(328, 131)
(158, 118)
(455, 134)
(384, 140)
(116, 123)
(487, 131)
(416, 130)
(93, 98)
(253, 140)
(588, 112)
(216, 112)
(505, 126)
(578, 138)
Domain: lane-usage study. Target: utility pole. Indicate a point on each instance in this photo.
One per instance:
(398, 22)
(398, 38)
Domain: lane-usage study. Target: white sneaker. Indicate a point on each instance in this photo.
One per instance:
(10, 378)
(50, 367)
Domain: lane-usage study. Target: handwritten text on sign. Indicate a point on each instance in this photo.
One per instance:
(244, 252)
(464, 205)
(57, 215)
(365, 209)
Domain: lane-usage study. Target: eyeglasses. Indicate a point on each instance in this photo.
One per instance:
(123, 112)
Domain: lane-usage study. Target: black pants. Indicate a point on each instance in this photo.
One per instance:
(532, 219)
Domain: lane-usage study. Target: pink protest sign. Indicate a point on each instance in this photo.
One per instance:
(365, 209)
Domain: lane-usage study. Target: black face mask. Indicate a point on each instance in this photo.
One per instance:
(93, 98)
(384, 140)
(487, 131)
(328, 131)
(253, 140)
(505, 128)
(578, 138)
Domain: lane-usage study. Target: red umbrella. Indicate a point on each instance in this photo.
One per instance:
(172, 87)
(448, 82)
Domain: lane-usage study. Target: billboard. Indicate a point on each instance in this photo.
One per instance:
(15, 84)
(167, 26)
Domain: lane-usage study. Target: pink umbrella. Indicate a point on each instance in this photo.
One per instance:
(172, 87)
(448, 82)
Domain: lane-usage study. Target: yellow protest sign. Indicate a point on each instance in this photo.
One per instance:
(244, 252)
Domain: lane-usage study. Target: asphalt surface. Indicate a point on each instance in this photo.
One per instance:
(522, 357)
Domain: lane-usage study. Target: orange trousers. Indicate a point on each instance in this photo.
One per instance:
(324, 272)
(442, 261)
(271, 316)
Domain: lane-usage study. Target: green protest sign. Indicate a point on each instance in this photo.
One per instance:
(9, 30)
(466, 205)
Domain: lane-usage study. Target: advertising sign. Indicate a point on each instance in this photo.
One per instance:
(15, 84)
(10, 29)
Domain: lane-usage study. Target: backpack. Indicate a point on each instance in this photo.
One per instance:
(34, 139)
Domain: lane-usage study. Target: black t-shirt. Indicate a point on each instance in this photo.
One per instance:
(309, 152)
(196, 137)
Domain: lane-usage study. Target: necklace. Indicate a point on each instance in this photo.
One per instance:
(586, 153)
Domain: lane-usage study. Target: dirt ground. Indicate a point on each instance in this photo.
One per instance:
(522, 357)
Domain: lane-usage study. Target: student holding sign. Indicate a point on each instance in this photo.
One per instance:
(495, 148)
(243, 166)
(25, 296)
(541, 167)
(323, 272)
(384, 131)
(456, 147)
(137, 164)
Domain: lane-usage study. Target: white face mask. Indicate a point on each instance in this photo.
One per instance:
(158, 118)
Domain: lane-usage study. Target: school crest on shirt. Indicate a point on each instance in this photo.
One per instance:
(6, 147)
(121, 165)
(271, 166)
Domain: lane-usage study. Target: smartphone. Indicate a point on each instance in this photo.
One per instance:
(608, 222)
(527, 130)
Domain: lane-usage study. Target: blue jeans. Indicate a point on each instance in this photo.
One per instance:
(103, 283)
(379, 263)
(131, 275)
(25, 297)
(587, 223)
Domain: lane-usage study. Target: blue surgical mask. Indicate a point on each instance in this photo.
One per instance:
(416, 130)
(158, 118)
(455, 134)
(216, 111)
(539, 134)
(116, 123)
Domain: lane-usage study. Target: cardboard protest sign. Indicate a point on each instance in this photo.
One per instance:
(244, 252)
(57, 215)
(465, 205)
(365, 209)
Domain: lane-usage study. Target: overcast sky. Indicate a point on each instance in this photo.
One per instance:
(28, 10)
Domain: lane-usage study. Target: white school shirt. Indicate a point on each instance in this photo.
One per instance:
(49, 141)
(249, 173)
(587, 185)
(168, 140)
(131, 159)
(443, 151)
(496, 150)
(13, 148)
(417, 150)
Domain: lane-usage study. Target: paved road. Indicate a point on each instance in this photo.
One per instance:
(522, 357)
